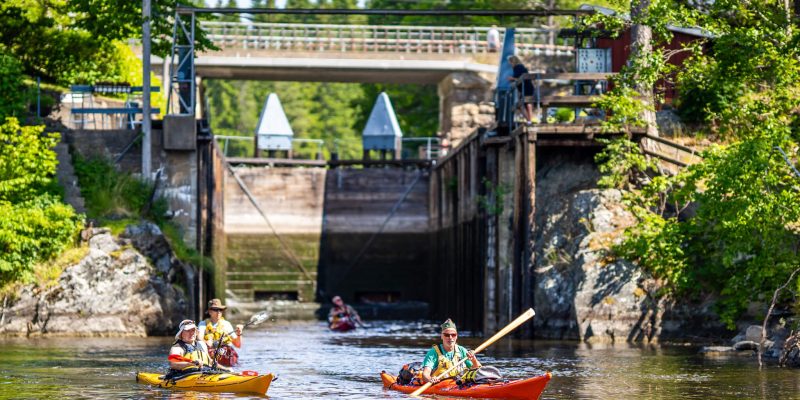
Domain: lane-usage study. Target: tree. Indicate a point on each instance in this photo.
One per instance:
(743, 235)
(34, 224)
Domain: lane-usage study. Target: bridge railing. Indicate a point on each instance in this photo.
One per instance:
(376, 38)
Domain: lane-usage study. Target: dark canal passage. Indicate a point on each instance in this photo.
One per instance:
(314, 363)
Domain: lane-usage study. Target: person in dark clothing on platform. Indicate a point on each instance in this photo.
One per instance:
(526, 88)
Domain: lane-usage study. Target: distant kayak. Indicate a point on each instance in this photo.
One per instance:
(211, 382)
(343, 324)
(527, 389)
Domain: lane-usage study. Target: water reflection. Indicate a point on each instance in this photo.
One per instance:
(313, 363)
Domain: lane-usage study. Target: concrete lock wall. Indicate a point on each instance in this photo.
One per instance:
(375, 237)
(262, 262)
(333, 221)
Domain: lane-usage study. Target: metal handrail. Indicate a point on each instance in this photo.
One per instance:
(428, 144)
(374, 38)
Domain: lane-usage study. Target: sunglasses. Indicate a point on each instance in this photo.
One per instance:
(185, 322)
(450, 334)
(215, 309)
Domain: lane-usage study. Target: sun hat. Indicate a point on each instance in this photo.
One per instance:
(216, 303)
(185, 325)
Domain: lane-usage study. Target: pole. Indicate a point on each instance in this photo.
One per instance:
(146, 123)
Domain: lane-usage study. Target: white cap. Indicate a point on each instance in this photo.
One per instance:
(185, 325)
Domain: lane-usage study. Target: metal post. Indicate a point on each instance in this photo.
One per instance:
(146, 125)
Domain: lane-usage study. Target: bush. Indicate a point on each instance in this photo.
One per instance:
(27, 163)
(35, 225)
(12, 102)
(110, 194)
(33, 231)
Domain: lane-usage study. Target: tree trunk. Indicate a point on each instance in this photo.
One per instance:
(642, 44)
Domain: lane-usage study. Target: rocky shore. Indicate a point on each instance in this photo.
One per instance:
(122, 287)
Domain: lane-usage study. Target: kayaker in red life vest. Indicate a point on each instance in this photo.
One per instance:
(212, 328)
(443, 356)
(187, 346)
(341, 314)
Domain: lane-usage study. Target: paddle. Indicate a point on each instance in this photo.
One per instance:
(510, 327)
(254, 320)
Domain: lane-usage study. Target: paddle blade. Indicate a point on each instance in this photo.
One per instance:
(175, 357)
(258, 318)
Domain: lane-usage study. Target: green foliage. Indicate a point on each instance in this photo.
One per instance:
(565, 115)
(619, 162)
(77, 41)
(741, 239)
(32, 231)
(34, 224)
(110, 194)
(495, 197)
(12, 102)
(185, 253)
(28, 163)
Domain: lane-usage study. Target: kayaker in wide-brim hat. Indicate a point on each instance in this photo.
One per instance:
(211, 329)
(216, 328)
(442, 357)
(194, 352)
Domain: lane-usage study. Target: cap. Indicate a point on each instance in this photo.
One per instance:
(185, 325)
(449, 324)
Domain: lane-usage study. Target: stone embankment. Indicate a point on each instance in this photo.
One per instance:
(582, 292)
(120, 288)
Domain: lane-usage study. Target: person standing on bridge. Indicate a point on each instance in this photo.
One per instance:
(443, 356)
(526, 88)
(493, 39)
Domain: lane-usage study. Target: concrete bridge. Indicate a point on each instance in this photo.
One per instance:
(359, 53)
(459, 60)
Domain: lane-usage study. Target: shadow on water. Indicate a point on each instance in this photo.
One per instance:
(313, 363)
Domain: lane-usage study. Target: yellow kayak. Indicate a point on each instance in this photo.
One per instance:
(215, 382)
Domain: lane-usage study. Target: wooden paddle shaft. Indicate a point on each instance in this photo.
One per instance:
(510, 327)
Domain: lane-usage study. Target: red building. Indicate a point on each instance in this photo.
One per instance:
(621, 49)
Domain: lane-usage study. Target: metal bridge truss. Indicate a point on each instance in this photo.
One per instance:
(182, 73)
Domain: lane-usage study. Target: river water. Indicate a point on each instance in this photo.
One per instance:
(312, 363)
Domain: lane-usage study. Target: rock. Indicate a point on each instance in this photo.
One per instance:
(716, 350)
(112, 291)
(746, 345)
(753, 333)
(103, 241)
(150, 241)
(581, 291)
(738, 338)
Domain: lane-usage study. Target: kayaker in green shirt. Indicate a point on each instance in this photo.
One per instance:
(442, 357)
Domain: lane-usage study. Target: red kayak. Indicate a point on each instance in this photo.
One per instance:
(343, 324)
(528, 389)
(228, 357)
